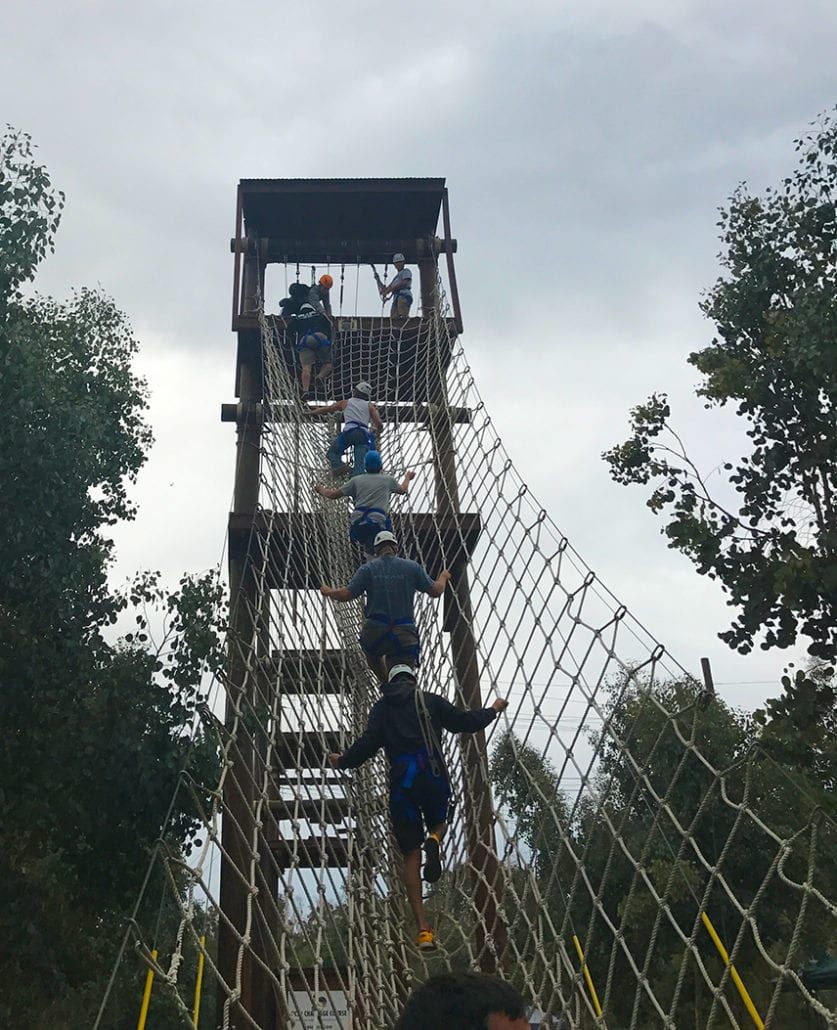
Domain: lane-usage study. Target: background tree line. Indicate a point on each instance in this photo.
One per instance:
(97, 730)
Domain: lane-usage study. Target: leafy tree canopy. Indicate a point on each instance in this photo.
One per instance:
(774, 549)
(97, 731)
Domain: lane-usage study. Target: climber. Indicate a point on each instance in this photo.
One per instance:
(311, 331)
(400, 288)
(389, 633)
(407, 723)
(359, 412)
(371, 492)
(319, 294)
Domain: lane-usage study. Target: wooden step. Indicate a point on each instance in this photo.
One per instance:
(306, 749)
(309, 672)
(311, 852)
(325, 811)
(296, 544)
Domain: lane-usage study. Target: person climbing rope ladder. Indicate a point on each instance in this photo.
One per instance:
(389, 634)
(407, 723)
(371, 492)
(311, 331)
(359, 412)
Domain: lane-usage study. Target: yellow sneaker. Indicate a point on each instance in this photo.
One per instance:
(425, 940)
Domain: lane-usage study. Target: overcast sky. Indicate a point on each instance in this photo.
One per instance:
(586, 145)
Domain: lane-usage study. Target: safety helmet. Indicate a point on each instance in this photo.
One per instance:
(398, 257)
(363, 388)
(327, 281)
(384, 537)
(401, 670)
(372, 462)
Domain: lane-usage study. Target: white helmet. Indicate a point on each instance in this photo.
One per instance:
(401, 670)
(363, 387)
(398, 257)
(384, 537)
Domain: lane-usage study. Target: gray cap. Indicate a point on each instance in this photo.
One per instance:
(398, 257)
(363, 388)
(384, 537)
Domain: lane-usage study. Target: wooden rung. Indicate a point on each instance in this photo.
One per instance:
(311, 852)
(325, 811)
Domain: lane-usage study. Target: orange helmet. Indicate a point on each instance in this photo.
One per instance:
(327, 281)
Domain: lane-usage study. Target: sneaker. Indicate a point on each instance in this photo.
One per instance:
(432, 860)
(425, 941)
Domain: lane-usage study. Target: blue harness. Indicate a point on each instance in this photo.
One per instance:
(414, 764)
(303, 344)
(350, 427)
(411, 650)
(366, 519)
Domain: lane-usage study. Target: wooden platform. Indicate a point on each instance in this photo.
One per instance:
(295, 545)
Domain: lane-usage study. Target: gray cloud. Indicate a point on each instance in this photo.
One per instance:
(586, 151)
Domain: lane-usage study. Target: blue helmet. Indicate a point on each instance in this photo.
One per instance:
(372, 462)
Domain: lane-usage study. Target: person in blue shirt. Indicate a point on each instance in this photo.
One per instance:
(389, 634)
(407, 723)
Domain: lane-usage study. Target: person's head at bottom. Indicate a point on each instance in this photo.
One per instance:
(464, 1001)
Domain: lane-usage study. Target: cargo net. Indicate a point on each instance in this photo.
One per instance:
(621, 848)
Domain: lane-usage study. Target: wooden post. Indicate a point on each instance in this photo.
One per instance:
(238, 824)
(479, 815)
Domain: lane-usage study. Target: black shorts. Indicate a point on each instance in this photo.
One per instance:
(417, 808)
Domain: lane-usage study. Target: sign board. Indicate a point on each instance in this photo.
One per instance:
(328, 1010)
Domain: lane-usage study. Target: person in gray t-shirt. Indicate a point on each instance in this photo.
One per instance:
(371, 492)
(389, 635)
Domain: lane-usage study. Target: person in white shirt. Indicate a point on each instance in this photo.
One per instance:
(400, 288)
(358, 413)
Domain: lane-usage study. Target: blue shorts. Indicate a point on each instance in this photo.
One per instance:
(418, 800)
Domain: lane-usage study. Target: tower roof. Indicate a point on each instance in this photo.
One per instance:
(341, 209)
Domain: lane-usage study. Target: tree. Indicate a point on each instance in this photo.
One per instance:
(774, 547)
(676, 810)
(97, 732)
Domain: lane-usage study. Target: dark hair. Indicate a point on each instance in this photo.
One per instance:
(460, 1001)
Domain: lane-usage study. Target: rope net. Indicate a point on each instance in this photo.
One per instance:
(616, 827)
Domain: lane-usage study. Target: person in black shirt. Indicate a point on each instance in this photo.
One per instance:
(311, 331)
(408, 724)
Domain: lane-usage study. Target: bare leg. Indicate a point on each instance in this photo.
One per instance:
(325, 371)
(378, 666)
(306, 378)
(410, 874)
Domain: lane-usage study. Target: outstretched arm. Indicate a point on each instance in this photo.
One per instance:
(465, 720)
(375, 418)
(326, 409)
(363, 748)
(336, 593)
(439, 584)
(331, 492)
(404, 486)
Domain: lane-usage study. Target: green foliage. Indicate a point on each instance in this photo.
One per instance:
(97, 732)
(668, 765)
(30, 210)
(774, 550)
